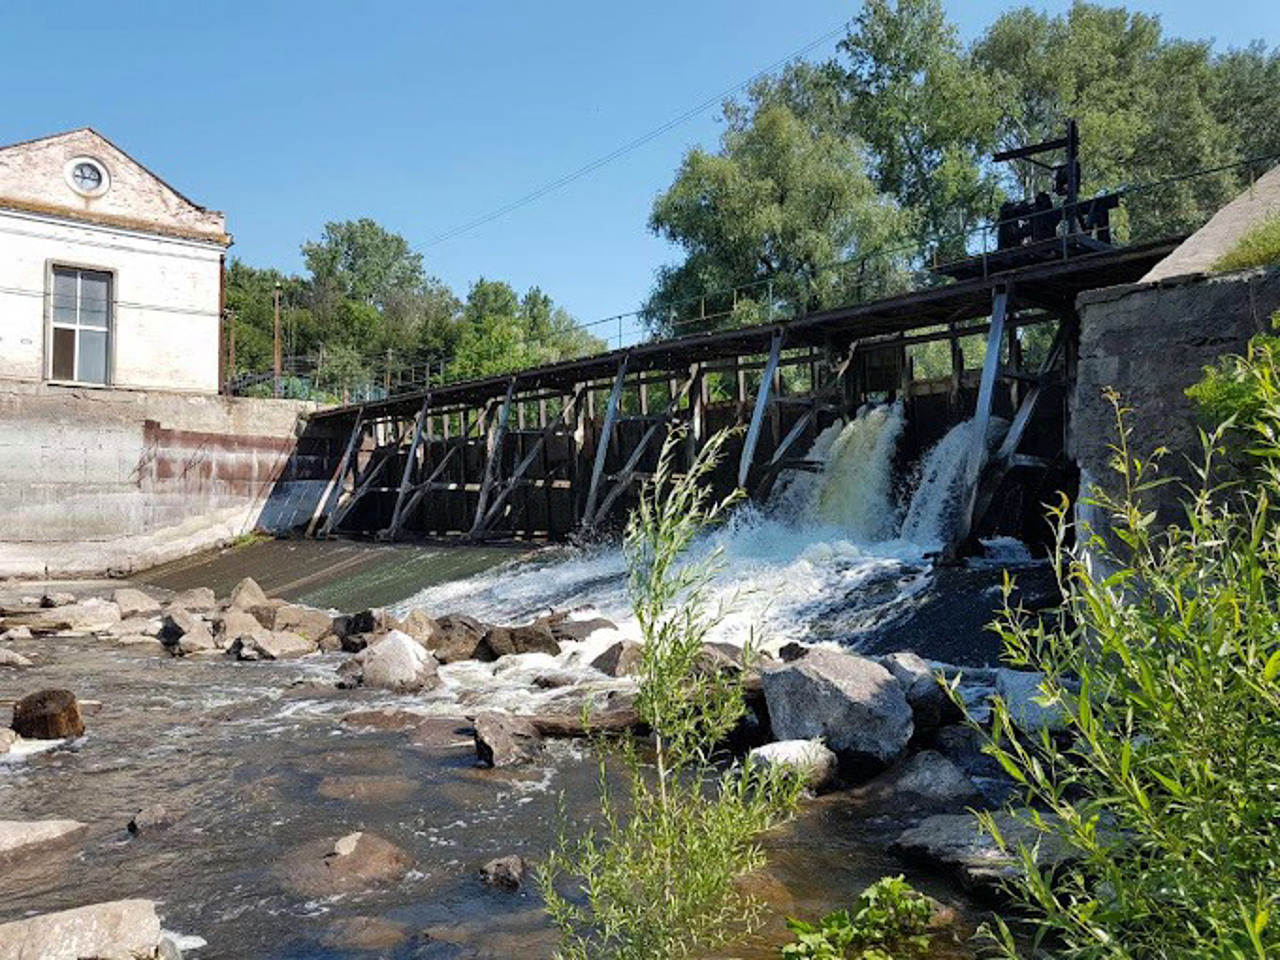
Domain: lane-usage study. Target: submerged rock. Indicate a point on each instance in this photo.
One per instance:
(134, 603)
(926, 781)
(48, 715)
(955, 843)
(852, 703)
(503, 740)
(817, 766)
(506, 873)
(23, 837)
(396, 662)
(575, 631)
(154, 817)
(355, 862)
(365, 933)
(119, 930)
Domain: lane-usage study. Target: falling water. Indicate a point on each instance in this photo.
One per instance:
(931, 517)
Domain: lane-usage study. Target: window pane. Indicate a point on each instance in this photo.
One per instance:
(64, 296)
(93, 356)
(64, 354)
(95, 289)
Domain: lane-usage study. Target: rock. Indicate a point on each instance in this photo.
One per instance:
(503, 740)
(8, 738)
(817, 766)
(232, 625)
(21, 837)
(247, 594)
(135, 603)
(119, 930)
(353, 863)
(420, 627)
(48, 715)
(460, 638)
(397, 662)
(16, 633)
(154, 817)
(197, 641)
(51, 600)
(365, 933)
(366, 621)
(137, 626)
(367, 789)
(140, 640)
(329, 643)
(926, 780)
(10, 659)
(88, 616)
(575, 631)
(852, 703)
(930, 705)
(28, 601)
(176, 623)
(1020, 690)
(617, 714)
(623, 659)
(506, 873)
(530, 638)
(962, 745)
(272, 645)
(306, 622)
(197, 600)
(954, 842)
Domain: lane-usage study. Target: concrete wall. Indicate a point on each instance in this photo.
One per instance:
(1150, 341)
(96, 481)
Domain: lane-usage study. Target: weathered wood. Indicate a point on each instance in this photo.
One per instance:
(397, 514)
(493, 463)
(606, 434)
(323, 506)
(757, 414)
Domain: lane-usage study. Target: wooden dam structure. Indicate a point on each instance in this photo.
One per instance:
(559, 450)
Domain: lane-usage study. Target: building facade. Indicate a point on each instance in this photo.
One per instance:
(108, 276)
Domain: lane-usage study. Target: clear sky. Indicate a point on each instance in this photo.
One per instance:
(425, 114)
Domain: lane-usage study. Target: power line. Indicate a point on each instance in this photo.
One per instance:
(631, 145)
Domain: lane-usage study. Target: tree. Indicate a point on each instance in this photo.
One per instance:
(772, 212)
(361, 260)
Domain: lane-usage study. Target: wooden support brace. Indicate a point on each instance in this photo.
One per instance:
(606, 434)
(397, 515)
(493, 462)
(762, 404)
(336, 481)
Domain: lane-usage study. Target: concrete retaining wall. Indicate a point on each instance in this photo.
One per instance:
(1150, 341)
(97, 481)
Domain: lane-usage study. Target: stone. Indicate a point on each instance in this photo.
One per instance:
(460, 638)
(329, 643)
(925, 780)
(397, 662)
(852, 703)
(232, 624)
(367, 789)
(817, 766)
(247, 594)
(154, 817)
(135, 603)
(304, 621)
(421, 627)
(197, 600)
(137, 626)
(366, 621)
(954, 842)
(48, 715)
(273, 645)
(16, 633)
(196, 642)
(176, 623)
(353, 863)
(8, 738)
(365, 933)
(575, 631)
(930, 705)
(506, 873)
(62, 599)
(503, 740)
(140, 640)
(623, 659)
(22, 837)
(1020, 690)
(88, 616)
(8, 658)
(962, 745)
(118, 930)
(28, 601)
(530, 638)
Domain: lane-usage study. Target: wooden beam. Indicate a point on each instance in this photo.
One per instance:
(757, 414)
(323, 506)
(421, 489)
(606, 434)
(397, 515)
(492, 464)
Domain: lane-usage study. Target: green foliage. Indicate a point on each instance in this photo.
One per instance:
(363, 261)
(1259, 247)
(1161, 792)
(889, 922)
(1240, 389)
(657, 879)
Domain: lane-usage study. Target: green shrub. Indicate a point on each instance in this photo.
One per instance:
(1259, 247)
(889, 922)
(1164, 791)
(658, 879)
(1240, 388)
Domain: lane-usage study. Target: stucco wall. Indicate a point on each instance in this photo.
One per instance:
(166, 292)
(97, 481)
(1150, 341)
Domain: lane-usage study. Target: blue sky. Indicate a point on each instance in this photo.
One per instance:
(425, 115)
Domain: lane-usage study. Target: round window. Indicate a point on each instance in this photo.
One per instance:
(87, 176)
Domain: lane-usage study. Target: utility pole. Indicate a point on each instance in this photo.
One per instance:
(231, 349)
(278, 356)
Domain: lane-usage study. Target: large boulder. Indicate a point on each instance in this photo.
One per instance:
(351, 864)
(176, 623)
(397, 662)
(135, 603)
(925, 781)
(22, 837)
(852, 703)
(118, 930)
(623, 659)
(304, 621)
(197, 642)
(420, 627)
(575, 631)
(533, 637)
(272, 645)
(816, 765)
(247, 594)
(48, 715)
(931, 707)
(197, 600)
(11, 658)
(231, 625)
(1022, 692)
(503, 740)
(87, 616)
(506, 873)
(460, 638)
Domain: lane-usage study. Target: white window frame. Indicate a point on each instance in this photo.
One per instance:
(109, 373)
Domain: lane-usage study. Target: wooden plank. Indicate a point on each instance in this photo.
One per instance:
(492, 463)
(397, 515)
(757, 413)
(421, 489)
(323, 506)
(606, 434)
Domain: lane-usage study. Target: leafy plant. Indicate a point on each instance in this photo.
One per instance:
(1239, 388)
(1160, 797)
(1258, 247)
(889, 922)
(657, 879)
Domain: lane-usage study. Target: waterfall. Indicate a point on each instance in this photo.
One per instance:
(855, 492)
(931, 517)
